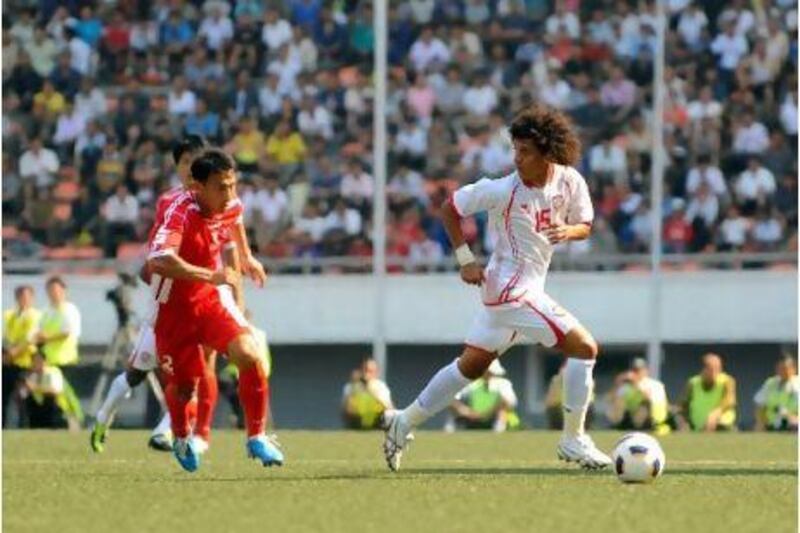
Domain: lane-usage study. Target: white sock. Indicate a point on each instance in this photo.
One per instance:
(578, 385)
(118, 391)
(164, 426)
(437, 394)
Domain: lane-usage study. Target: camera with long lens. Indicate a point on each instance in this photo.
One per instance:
(121, 297)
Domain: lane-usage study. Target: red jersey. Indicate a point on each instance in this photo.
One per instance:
(229, 218)
(195, 239)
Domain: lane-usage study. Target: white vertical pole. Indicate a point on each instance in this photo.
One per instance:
(654, 348)
(379, 170)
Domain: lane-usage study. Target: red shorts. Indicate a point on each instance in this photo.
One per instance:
(182, 333)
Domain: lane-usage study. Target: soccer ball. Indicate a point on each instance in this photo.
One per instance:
(638, 458)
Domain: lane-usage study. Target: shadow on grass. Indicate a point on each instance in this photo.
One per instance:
(722, 472)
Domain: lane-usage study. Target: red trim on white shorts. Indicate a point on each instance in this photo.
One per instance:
(560, 335)
(502, 302)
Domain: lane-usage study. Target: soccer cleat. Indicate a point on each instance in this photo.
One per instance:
(186, 454)
(583, 451)
(161, 442)
(265, 449)
(398, 435)
(200, 444)
(98, 437)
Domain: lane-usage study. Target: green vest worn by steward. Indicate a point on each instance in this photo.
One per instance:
(367, 408)
(61, 352)
(780, 397)
(633, 398)
(704, 401)
(483, 401)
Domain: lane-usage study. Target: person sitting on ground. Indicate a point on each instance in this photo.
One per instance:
(486, 403)
(710, 398)
(365, 397)
(638, 402)
(776, 400)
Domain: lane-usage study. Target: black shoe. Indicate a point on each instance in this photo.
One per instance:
(160, 442)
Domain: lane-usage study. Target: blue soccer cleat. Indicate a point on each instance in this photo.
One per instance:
(186, 454)
(265, 449)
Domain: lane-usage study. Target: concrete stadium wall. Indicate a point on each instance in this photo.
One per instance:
(698, 307)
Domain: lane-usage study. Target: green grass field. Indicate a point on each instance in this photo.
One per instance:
(337, 482)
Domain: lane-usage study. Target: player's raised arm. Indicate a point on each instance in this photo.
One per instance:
(250, 266)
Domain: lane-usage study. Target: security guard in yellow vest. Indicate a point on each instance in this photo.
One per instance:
(20, 326)
(638, 401)
(710, 398)
(59, 327)
(776, 400)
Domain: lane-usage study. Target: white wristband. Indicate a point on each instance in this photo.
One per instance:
(464, 255)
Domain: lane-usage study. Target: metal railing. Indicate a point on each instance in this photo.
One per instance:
(398, 264)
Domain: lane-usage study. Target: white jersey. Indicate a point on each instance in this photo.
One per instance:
(518, 217)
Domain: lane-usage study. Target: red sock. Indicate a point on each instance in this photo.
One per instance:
(207, 393)
(253, 397)
(177, 404)
(191, 411)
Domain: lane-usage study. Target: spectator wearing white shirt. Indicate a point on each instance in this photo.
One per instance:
(38, 164)
(216, 28)
(755, 186)
(691, 24)
(703, 205)
(705, 173)
(90, 101)
(767, 230)
(80, 53)
(788, 115)
(608, 161)
(705, 106)
(563, 21)
(270, 99)
(428, 51)
(181, 100)
(411, 143)
(287, 67)
(730, 47)
(310, 226)
(120, 214)
(407, 184)
(314, 119)
(480, 99)
(267, 211)
(69, 126)
(276, 31)
(357, 185)
(342, 224)
(733, 229)
(555, 91)
(751, 137)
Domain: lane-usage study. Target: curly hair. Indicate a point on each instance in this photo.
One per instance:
(550, 130)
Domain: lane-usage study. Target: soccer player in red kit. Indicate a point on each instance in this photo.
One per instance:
(191, 313)
(237, 254)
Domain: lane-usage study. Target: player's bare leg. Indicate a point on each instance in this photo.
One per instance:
(581, 350)
(207, 393)
(437, 395)
(243, 352)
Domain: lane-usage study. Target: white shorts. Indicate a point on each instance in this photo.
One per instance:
(143, 356)
(537, 318)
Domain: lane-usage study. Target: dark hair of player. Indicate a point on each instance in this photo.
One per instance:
(190, 143)
(22, 289)
(210, 162)
(550, 130)
(56, 280)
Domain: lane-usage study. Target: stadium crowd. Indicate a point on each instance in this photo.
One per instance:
(95, 94)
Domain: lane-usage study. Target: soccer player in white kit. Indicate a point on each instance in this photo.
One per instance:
(542, 203)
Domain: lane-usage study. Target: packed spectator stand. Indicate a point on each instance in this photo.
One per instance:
(95, 94)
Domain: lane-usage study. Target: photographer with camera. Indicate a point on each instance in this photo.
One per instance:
(365, 397)
(637, 401)
(776, 400)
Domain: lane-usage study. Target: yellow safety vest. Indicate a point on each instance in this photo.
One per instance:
(633, 399)
(780, 397)
(61, 352)
(704, 401)
(19, 328)
(367, 408)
